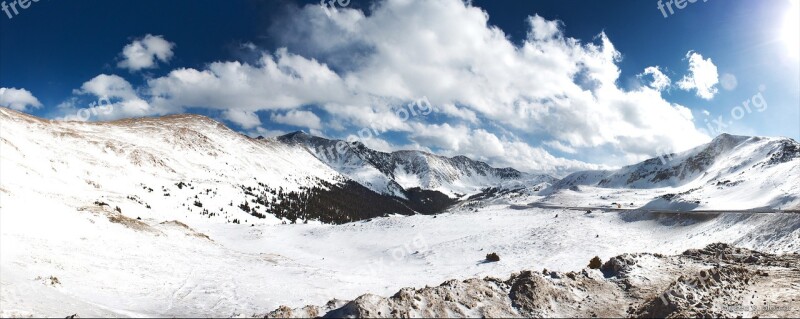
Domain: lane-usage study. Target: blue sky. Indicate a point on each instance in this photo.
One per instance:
(535, 86)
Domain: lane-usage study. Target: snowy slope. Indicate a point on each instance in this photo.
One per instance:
(392, 173)
(731, 172)
(160, 268)
(65, 248)
(167, 163)
(198, 165)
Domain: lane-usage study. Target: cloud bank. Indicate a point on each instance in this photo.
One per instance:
(509, 104)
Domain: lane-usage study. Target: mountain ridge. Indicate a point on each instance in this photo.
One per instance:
(266, 178)
(390, 171)
(747, 172)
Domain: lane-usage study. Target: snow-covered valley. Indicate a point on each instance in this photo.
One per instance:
(144, 218)
(160, 268)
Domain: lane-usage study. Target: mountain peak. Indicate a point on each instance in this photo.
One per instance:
(396, 172)
(729, 138)
(295, 137)
(726, 142)
(298, 132)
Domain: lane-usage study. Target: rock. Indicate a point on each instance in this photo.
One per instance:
(595, 263)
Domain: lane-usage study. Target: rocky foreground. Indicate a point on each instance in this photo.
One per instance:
(716, 281)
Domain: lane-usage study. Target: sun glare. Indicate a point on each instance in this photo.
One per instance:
(790, 33)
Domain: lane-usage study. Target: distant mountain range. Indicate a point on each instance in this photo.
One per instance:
(730, 172)
(394, 173)
(193, 163)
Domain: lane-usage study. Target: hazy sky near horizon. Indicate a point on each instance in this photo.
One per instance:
(543, 86)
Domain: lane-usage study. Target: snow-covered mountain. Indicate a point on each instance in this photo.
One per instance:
(170, 161)
(730, 172)
(394, 173)
(189, 216)
(193, 163)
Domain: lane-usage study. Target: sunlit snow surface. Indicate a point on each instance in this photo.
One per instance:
(107, 265)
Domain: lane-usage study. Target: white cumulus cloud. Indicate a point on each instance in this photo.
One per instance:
(549, 84)
(113, 98)
(660, 81)
(702, 77)
(360, 67)
(144, 53)
(278, 81)
(18, 99)
(299, 119)
(499, 151)
(246, 119)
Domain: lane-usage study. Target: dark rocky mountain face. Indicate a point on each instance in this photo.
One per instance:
(786, 151)
(432, 171)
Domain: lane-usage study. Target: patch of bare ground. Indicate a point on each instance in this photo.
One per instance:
(118, 218)
(717, 281)
(188, 230)
(130, 222)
